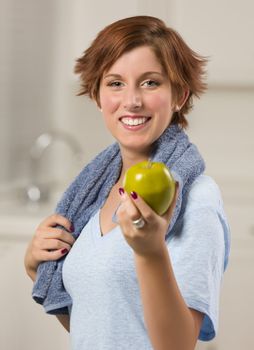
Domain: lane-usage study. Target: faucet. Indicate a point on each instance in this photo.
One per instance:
(37, 192)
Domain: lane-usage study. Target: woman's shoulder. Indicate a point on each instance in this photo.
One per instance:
(204, 192)
(204, 206)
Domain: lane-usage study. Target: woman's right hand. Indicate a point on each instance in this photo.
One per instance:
(48, 243)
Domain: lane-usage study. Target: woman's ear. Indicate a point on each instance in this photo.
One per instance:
(182, 101)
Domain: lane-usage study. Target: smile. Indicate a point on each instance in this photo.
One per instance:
(134, 121)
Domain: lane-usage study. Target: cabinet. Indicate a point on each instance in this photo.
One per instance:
(222, 31)
(23, 323)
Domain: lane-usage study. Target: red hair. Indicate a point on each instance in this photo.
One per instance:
(184, 67)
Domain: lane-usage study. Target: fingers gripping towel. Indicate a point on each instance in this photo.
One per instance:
(89, 190)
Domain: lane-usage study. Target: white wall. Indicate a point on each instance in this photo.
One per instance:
(27, 48)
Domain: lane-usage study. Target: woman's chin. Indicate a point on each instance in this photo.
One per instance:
(136, 148)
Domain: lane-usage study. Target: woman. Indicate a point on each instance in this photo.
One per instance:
(128, 286)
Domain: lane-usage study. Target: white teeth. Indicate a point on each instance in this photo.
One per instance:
(134, 121)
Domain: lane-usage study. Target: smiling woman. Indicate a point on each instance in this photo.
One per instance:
(136, 100)
(179, 63)
(134, 278)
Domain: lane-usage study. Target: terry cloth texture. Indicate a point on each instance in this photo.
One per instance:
(89, 190)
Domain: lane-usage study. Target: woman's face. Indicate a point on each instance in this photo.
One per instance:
(136, 99)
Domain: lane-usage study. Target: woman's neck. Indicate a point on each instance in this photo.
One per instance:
(130, 158)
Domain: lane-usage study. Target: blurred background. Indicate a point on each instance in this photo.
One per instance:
(47, 134)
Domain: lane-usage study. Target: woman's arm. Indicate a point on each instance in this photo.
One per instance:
(49, 243)
(170, 323)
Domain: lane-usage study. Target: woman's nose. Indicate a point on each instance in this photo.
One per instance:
(132, 100)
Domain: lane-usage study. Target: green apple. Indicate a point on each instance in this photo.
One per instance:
(153, 182)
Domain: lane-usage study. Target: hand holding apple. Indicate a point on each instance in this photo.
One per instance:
(153, 182)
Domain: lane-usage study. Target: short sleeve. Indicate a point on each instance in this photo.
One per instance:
(198, 250)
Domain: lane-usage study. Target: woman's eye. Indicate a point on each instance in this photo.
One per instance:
(151, 83)
(115, 84)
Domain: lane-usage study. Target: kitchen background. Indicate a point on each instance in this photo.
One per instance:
(47, 134)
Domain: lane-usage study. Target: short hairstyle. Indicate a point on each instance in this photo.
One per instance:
(184, 67)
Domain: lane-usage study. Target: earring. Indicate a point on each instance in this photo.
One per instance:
(177, 108)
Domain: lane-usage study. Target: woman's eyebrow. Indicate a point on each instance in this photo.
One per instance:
(111, 75)
(118, 76)
(151, 73)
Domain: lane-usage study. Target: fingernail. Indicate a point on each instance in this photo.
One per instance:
(72, 228)
(121, 191)
(63, 251)
(134, 195)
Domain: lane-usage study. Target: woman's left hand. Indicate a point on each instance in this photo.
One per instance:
(150, 239)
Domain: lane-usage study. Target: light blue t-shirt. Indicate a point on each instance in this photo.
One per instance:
(99, 274)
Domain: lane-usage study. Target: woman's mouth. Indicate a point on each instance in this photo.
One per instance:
(134, 121)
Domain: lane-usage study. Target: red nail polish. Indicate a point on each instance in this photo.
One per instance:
(72, 228)
(134, 195)
(63, 251)
(121, 191)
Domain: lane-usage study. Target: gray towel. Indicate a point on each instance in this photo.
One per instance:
(89, 190)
